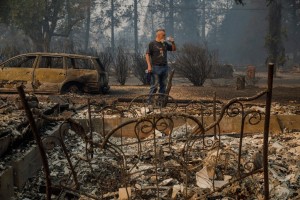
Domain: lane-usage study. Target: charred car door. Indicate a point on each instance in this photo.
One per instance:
(17, 71)
(82, 73)
(49, 74)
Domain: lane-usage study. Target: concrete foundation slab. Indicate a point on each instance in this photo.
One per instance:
(26, 167)
(6, 184)
(289, 123)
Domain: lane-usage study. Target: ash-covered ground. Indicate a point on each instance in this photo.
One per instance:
(100, 177)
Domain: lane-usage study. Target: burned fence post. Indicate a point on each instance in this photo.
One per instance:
(37, 137)
(266, 130)
(215, 113)
(240, 83)
(168, 87)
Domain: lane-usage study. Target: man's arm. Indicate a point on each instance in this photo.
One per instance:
(173, 46)
(171, 39)
(148, 60)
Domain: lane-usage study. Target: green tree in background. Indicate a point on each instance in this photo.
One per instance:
(112, 14)
(291, 17)
(41, 20)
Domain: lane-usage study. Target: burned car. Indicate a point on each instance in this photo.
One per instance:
(53, 73)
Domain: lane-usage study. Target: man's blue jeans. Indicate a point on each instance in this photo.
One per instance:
(159, 78)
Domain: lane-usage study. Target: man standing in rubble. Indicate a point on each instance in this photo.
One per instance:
(156, 57)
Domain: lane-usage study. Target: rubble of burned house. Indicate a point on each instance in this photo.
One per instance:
(154, 173)
(123, 152)
(14, 125)
(18, 151)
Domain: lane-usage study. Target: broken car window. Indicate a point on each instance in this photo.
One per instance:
(83, 64)
(51, 62)
(20, 62)
(70, 62)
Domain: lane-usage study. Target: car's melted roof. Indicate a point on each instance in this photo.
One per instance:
(57, 54)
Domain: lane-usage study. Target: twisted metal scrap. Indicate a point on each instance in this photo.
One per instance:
(149, 125)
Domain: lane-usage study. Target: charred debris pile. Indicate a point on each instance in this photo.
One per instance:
(167, 153)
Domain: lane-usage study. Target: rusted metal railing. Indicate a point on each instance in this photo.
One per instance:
(38, 140)
(266, 130)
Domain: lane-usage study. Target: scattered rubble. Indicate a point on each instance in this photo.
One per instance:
(208, 171)
(160, 166)
(14, 125)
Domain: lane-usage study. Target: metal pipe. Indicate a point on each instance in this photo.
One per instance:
(215, 113)
(241, 143)
(38, 140)
(266, 130)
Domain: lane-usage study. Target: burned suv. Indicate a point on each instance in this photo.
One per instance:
(53, 73)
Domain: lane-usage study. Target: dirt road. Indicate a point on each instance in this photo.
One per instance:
(286, 90)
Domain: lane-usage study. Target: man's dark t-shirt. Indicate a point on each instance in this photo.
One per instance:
(158, 52)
